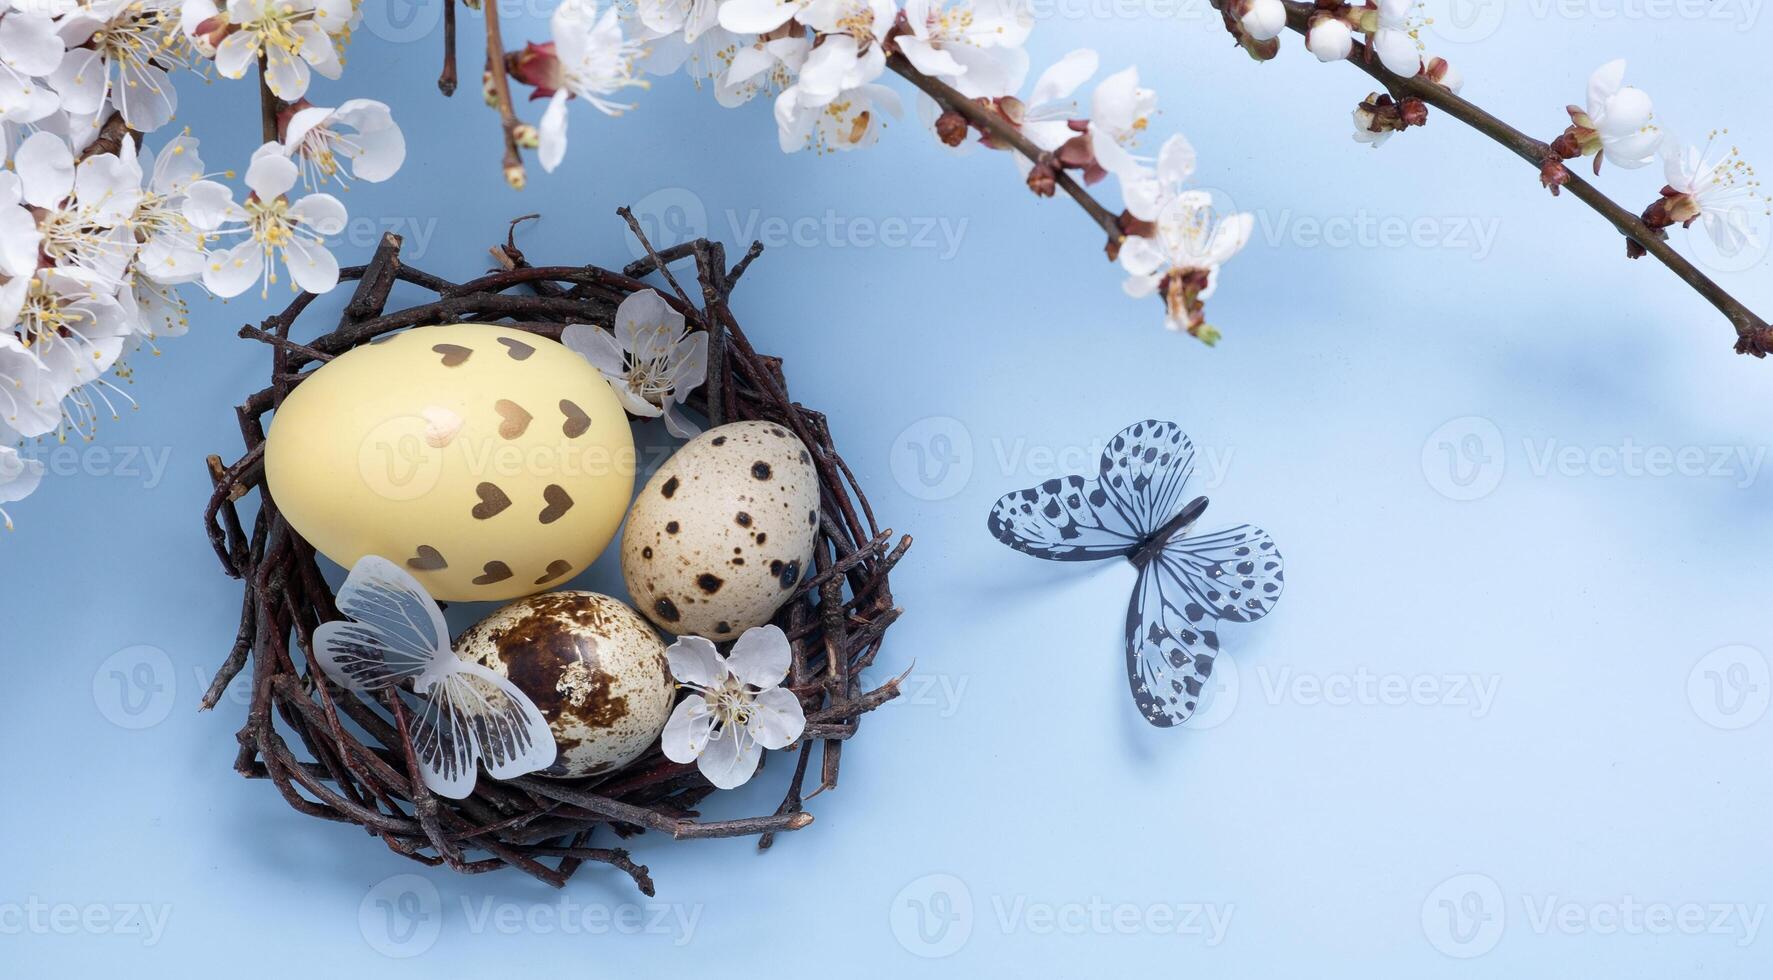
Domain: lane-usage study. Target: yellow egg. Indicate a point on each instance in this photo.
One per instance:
(489, 462)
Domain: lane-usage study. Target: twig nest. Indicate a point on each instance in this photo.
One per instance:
(724, 531)
(595, 669)
(490, 462)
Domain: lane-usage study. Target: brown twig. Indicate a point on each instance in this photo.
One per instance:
(1753, 334)
(446, 79)
(501, 85)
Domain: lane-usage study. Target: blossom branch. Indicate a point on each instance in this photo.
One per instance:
(990, 122)
(1753, 334)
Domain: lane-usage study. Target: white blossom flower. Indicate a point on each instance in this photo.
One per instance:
(1190, 242)
(840, 63)
(18, 478)
(291, 36)
(119, 53)
(1363, 128)
(1619, 116)
(1330, 38)
(71, 321)
(1720, 191)
(1394, 37)
(1265, 19)
(358, 140)
(272, 224)
(591, 59)
(1120, 112)
(975, 45)
(737, 705)
(652, 360)
(80, 210)
(844, 122)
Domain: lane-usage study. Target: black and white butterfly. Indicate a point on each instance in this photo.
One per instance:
(1188, 583)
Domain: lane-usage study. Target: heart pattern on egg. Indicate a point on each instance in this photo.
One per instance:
(559, 502)
(493, 501)
(577, 422)
(454, 355)
(515, 420)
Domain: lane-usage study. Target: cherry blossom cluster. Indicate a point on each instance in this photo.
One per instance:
(1712, 184)
(820, 63)
(101, 227)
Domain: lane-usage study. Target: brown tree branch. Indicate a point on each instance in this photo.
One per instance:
(1002, 132)
(1753, 334)
(501, 90)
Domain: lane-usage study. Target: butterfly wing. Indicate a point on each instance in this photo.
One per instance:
(395, 634)
(1169, 655)
(1236, 573)
(1062, 520)
(1144, 471)
(1182, 595)
(473, 716)
(1139, 488)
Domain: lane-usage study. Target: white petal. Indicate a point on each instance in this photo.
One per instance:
(777, 718)
(688, 729)
(1140, 256)
(232, 272)
(694, 660)
(1398, 51)
(1330, 40)
(1604, 84)
(236, 54)
(19, 242)
(29, 43)
(286, 75)
(146, 97)
(46, 166)
(639, 321)
(321, 213)
(678, 424)
(760, 657)
(19, 477)
(209, 205)
(726, 763)
(596, 345)
(1064, 77)
(311, 266)
(270, 175)
(930, 59)
(80, 80)
(552, 131)
(756, 16)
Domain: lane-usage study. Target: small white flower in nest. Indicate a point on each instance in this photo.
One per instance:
(737, 706)
(652, 360)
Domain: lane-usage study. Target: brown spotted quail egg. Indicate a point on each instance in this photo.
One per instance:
(723, 532)
(595, 669)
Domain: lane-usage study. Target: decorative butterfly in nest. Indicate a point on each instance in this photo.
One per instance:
(471, 714)
(1188, 584)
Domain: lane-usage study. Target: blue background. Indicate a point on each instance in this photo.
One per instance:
(1618, 761)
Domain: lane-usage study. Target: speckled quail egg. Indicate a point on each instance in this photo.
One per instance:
(724, 531)
(595, 669)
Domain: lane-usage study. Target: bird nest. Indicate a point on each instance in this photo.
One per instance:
(348, 757)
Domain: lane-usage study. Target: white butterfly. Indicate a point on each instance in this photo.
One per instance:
(471, 715)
